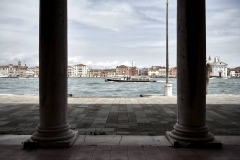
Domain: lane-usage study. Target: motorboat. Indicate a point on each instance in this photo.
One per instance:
(130, 79)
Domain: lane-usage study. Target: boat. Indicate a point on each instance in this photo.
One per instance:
(130, 79)
(4, 76)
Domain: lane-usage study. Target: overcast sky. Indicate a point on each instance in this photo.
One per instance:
(107, 33)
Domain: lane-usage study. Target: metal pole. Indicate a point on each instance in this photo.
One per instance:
(167, 42)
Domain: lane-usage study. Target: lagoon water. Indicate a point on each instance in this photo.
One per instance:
(97, 87)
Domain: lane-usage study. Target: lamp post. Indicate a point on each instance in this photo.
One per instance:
(167, 42)
(167, 87)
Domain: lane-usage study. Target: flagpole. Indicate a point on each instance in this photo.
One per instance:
(167, 42)
(168, 86)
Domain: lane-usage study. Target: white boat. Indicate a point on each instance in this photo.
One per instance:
(130, 79)
(23, 78)
(4, 76)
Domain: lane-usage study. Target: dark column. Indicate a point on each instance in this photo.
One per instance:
(190, 129)
(53, 130)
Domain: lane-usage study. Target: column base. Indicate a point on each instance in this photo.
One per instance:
(214, 144)
(168, 90)
(58, 144)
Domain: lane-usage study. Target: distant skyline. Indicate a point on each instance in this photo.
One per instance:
(107, 33)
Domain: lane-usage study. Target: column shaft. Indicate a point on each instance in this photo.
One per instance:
(53, 73)
(191, 77)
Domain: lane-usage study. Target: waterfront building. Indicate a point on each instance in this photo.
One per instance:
(14, 71)
(123, 70)
(9, 70)
(237, 74)
(108, 73)
(30, 72)
(111, 73)
(162, 72)
(133, 71)
(36, 71)
(173, 72)
(219, 68)
(70, 71)
(143, 71)
(157, 71)
(104, 73)
(94, 73)
(21, 70)
(232, 73)
(153, 72)
(80, 70)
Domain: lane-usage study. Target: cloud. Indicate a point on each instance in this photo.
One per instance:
(102, 65)
(104, 33)
(113, 15)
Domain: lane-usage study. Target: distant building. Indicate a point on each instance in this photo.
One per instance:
(30, 72)
(14, 71)
(143, 71)
(153, 72)
(9, 70)
(70, 71)
(219, 68)
(173, 72)
(123, 70)
(157, 71)
(36, 71)
(80, 70)
(232, 74)
(133, 71)
(94, 73)
(108, 73)
(111, 73)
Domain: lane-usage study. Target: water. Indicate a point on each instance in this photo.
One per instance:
(97, 87)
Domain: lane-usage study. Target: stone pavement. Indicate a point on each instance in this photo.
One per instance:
(119, 116)
(119, 153)
(117, 147)
(136, 116)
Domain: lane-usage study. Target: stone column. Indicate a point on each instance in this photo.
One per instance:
(190, 129)
(53, 130)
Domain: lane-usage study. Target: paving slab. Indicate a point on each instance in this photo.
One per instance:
(131, 118)
(117, 147)
(152, 115)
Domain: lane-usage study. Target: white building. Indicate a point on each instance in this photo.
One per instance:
(36, 71)
(157, 71)
(232, 74)
(80, 70)
(153, 73)
(71, 71)
(30, 72)
(219, 68)
(14, 71)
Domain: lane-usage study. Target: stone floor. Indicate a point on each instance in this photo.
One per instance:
(119, 153)
(117, 147)
(135, 117)
(119, 116)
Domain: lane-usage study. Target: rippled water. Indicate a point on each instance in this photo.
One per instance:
(97, 87)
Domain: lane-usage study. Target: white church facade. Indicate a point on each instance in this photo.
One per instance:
(219, 68)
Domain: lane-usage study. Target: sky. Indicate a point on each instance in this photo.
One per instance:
(107, 33)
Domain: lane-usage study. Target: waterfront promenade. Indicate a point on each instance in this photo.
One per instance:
(135, 128)
(119, 116)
